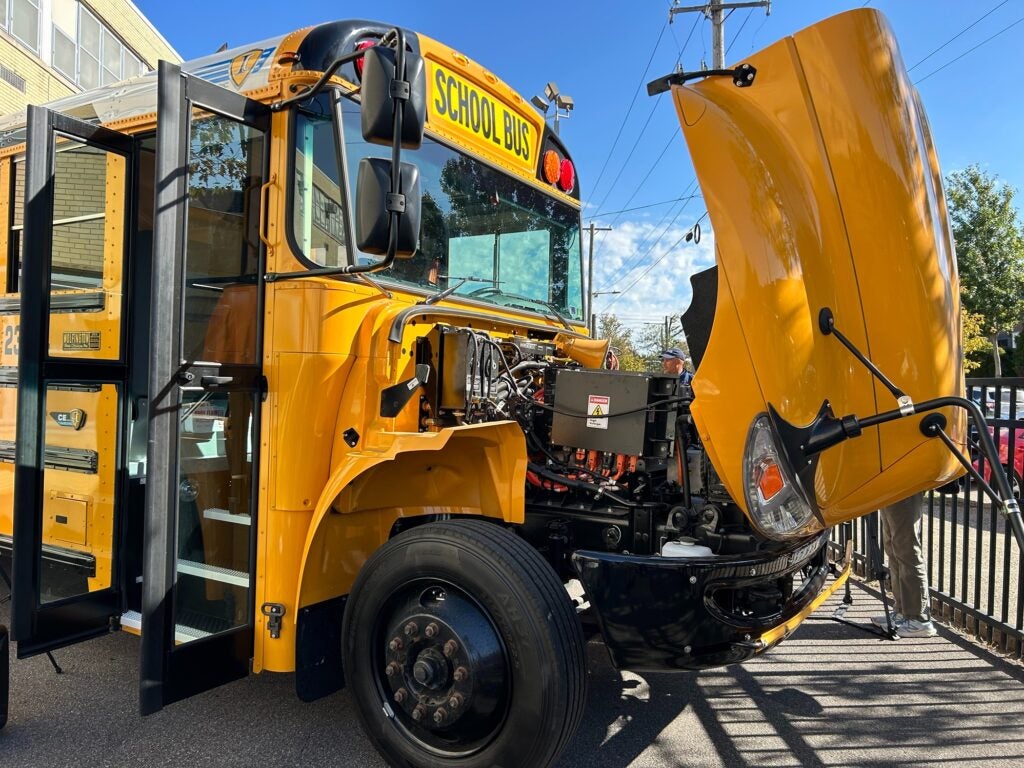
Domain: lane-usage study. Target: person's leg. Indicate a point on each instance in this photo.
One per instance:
(891, 522)
(913, 580)
(913, 583)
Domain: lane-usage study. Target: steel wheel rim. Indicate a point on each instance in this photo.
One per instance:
(446, 682)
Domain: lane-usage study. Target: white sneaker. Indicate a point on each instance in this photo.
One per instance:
(914, 628)
(894, 617)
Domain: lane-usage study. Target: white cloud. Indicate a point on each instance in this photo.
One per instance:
(659, 261)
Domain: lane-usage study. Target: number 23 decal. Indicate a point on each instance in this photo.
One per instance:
(11, 335)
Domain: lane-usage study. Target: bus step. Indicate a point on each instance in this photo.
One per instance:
(227, 517)
(132, 622)
(213, 573)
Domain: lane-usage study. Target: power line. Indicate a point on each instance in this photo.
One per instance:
(624, 272)
(625, 162)
(649, 205)
(740, 31)
(636, 142)
(629, 111)
(958, 34)
(970, 50)
(640, 184)
(653, 264)
(682, 47)
(753, 37)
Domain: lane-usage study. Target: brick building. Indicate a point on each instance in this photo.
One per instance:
(52, 48)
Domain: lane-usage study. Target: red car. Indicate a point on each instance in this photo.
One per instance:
(1014, 470)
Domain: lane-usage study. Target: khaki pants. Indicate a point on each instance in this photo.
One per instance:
(901, 540)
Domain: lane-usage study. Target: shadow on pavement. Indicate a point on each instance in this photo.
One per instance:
(829, 696)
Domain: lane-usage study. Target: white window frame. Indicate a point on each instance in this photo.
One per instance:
(106, 34)
(9, 24)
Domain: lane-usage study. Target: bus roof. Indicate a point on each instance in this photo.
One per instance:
(495, 121)
(133, 98)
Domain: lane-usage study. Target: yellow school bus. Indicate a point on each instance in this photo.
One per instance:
(296, 378)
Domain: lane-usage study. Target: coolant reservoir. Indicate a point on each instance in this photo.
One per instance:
(685, 548)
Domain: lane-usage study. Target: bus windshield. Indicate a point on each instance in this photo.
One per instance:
(485, 234)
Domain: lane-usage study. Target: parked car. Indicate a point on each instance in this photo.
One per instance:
(1014, 468)
(1002, 404)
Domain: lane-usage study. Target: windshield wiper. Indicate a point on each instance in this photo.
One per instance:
(549, 305)
(444, 293)
(554, 310)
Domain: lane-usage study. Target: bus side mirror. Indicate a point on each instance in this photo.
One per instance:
(375, 204)
(378, 98)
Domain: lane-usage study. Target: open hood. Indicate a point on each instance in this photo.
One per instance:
(824, 190)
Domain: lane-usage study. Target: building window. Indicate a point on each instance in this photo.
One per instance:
(21, 19)
(85, 51)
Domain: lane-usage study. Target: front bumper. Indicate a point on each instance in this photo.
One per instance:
(659, 613)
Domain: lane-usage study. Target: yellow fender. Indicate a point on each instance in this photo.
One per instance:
(478, 469)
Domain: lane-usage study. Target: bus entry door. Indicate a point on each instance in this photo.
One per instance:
(69, 475)
(205, 389)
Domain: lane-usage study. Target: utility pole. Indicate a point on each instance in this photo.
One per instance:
(714, 10)
(668, 332)
(590, 278)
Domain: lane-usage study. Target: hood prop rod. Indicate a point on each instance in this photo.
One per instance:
(827, 430)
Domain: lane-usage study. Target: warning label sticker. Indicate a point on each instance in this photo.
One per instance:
(597, 411)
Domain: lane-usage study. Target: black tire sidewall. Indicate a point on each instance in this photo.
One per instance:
(526, 632)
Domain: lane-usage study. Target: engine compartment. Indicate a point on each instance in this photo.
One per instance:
(615, 465)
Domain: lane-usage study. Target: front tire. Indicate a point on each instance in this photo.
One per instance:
(461, 648)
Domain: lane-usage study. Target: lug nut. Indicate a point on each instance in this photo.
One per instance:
(440, 715)
(431, 629)
(395, 644)
(392, 669)
(460, 674)
(455, 701)
(450, 648)
(419, 712)
(400, 695)
(411, 628)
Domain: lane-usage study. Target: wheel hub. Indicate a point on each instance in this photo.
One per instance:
(431, 670)
(444, 663)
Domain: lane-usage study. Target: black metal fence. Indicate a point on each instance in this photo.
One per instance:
(975, 569)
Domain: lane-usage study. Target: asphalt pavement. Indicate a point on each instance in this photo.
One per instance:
(831, 695)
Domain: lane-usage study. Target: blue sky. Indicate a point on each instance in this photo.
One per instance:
(598, 52)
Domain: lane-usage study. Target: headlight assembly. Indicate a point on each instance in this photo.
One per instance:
(778, 506)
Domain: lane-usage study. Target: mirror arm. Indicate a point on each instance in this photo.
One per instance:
(314, 89)
(395, 201)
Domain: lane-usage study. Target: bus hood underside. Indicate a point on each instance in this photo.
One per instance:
(824, 190)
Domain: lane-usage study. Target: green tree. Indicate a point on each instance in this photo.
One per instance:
(656, 337)
(989, 250)
(622, 343)
(974, 339)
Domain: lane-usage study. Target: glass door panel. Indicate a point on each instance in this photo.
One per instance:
(219, 351)
(68, 448)
(87, 242)
(205, 383)
(79, 489)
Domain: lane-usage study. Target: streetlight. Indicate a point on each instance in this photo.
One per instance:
(593, 315)
(563, 104)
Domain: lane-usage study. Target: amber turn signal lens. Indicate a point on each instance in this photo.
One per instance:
(770, 481)
(552, 166)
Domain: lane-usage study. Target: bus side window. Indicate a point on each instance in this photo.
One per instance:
(12, 211)
(318, 205)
